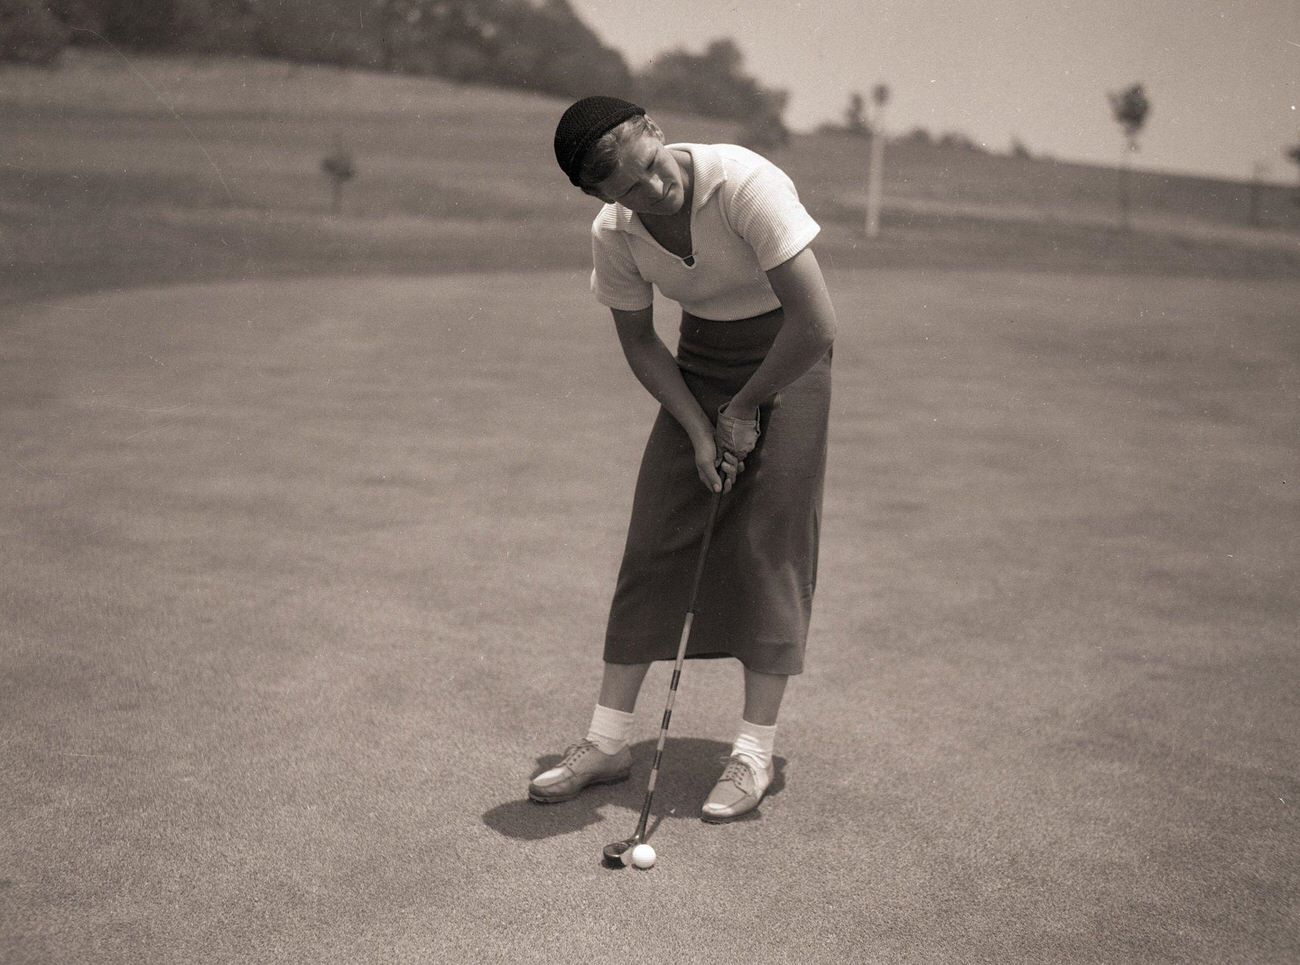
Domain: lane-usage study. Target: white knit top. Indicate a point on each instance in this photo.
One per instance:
(746, 218)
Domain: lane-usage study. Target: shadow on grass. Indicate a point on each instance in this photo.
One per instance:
(689, 769)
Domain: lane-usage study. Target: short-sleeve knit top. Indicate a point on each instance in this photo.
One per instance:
(746, 218)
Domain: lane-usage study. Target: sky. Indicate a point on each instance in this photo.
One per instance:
(1222, 76)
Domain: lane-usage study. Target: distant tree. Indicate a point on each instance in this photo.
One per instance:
(917, 135)
(1130, 108)
(535, 44)
(219, 25)
(855, 116)
(545, 46)
(83, 18)
(399, 26)
(856, 122)
(30, 33)
(142, 24)
(713, 84)
(765, 131)
(313, 32)
(213, 25)
(449, 38)
(1020, 149)
(958, 140)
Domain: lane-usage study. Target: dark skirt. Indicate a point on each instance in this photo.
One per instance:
(757, 589)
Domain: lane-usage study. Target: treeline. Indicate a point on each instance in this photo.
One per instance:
(539, 45)
(859, 121)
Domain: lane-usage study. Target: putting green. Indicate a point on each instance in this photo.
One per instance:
(302, 580)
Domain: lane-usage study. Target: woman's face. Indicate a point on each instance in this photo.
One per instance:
(648, 179)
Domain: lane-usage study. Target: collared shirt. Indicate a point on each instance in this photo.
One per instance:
(746, 218)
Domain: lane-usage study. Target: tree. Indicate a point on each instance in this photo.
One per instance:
(713, 84)
(855, 116)
(29, 33)
(204, 25)
(534, 44)
(958, 141)
(765, 131)
(313, 32)
(1130, 108)
(856, 123)
(142, 24)
(545, 46)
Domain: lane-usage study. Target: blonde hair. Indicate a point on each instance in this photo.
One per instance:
(601, 160)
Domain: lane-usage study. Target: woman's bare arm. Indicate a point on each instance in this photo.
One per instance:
(807, 331)
(656, 369)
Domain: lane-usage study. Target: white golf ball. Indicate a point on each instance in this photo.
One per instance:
(643, 856)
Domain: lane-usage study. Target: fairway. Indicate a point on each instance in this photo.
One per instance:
(304, 579)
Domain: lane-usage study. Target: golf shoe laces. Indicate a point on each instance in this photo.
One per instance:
(739, 773)
(576, 752)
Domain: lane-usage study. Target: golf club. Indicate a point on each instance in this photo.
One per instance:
(619, 854)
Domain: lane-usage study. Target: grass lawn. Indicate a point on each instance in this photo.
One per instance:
(305, 576)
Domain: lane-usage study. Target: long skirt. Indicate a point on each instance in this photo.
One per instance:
(756, 593)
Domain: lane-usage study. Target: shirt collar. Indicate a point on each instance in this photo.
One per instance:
(710, 174)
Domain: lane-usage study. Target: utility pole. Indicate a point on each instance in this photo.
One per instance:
(876, 173)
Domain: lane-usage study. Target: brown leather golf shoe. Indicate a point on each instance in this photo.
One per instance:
(737, 792)
(583, 764)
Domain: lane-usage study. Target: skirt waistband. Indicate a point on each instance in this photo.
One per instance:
(742, 343)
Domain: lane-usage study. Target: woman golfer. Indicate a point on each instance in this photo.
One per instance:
(721, 231)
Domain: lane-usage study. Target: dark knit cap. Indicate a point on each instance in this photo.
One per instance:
(583, 124)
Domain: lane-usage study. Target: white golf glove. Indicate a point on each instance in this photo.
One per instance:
(736, 436)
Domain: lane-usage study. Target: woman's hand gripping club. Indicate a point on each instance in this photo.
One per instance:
(717, 468)
(735, 438)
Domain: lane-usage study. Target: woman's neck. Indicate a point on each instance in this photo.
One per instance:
(687, 164)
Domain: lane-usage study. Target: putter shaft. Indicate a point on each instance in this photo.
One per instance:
(623, 855)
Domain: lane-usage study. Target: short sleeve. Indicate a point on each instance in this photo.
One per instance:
(615, 279)
(766, 211)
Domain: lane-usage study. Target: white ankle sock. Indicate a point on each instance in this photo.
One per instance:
(754, 743)
(610, 729)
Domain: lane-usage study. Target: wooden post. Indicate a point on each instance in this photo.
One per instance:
(875, 181)
(876, 173)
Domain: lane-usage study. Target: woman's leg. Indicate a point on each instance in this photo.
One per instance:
(763, 693)
(621, 684)
(749, 770)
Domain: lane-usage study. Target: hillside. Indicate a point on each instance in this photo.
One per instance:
(118, 172)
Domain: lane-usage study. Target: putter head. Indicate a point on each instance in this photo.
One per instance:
(618, 854)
